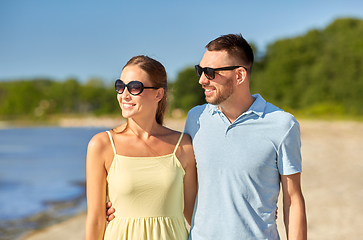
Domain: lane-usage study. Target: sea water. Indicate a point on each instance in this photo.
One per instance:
(40, 167)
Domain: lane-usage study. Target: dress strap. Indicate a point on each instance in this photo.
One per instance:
(111, 140)
(177, 145)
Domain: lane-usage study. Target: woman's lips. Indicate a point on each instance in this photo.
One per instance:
(127, 105)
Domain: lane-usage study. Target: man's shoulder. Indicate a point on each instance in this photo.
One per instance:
(193, 119)
(272, 110)
(278, 117)
(198, 110)
(269, 111)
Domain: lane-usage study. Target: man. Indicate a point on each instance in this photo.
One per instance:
(244, 148)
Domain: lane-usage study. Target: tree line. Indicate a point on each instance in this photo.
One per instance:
(318, 73)
(41, 98)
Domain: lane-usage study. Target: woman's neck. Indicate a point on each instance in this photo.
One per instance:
(143, 128)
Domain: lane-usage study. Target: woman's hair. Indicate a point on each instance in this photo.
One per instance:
(236, 46)
(158, 77)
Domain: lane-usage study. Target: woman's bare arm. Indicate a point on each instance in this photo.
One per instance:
(190, 179)
(96, 189)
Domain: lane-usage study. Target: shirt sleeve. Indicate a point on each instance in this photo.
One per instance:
(289, 159)
(192, 122)
(187, 127)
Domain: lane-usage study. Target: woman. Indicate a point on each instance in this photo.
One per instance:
(146, 170)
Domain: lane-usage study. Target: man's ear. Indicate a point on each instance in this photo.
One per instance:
(159, 94)
(241, 75)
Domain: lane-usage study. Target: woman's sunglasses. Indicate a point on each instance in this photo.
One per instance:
(134, 87)
(210, 72)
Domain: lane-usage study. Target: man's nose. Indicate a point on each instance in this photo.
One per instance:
(203, 80)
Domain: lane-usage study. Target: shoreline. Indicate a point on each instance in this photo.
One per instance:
(54, 213)
(90, 121)
(112, 122)
(71, 228)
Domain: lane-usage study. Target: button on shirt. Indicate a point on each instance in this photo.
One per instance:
(239, 166)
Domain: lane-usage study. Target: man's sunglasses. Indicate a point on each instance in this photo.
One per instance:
(210, 72)
(134, 87)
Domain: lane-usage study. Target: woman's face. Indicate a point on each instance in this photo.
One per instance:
(143, 105)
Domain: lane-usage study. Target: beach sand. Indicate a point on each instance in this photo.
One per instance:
(332, 184)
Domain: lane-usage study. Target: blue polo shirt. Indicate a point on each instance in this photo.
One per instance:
(239, 166)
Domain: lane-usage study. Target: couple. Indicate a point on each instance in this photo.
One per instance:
(243, 147)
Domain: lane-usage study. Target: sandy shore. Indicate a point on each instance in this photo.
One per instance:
(332, 184)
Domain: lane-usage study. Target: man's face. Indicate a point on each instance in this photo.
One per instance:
(221, 87)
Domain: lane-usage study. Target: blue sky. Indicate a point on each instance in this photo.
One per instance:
(86, 39)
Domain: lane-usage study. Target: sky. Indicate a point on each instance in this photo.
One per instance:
(82, 39)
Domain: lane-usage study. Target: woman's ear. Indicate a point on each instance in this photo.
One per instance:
(159, 94)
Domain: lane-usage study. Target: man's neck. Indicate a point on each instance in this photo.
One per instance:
(232, 110)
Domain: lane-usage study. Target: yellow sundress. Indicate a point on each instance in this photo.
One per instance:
(147, 194)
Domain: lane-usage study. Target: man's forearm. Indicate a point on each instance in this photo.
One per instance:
(295, 220)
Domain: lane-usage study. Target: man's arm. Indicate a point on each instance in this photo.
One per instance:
(294, 207)
(109, 211)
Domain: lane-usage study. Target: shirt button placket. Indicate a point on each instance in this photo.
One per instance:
(229, 128)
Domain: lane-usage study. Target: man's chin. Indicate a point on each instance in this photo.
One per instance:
(211, 100)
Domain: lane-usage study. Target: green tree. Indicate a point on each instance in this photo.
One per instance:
(186, 92)
(70, 96)
(322, 67)
(98, 98)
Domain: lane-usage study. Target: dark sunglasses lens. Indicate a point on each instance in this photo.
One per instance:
(209, 73)
(199, 70)
(119, 86)
(135, 87)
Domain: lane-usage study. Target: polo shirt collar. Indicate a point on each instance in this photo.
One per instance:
(213, 109)
(257, 107)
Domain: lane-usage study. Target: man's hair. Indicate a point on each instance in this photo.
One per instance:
(236, 46)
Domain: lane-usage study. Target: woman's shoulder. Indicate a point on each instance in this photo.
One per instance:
(175, 135)
(186, 139)
(99, 141)
(185, 151)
